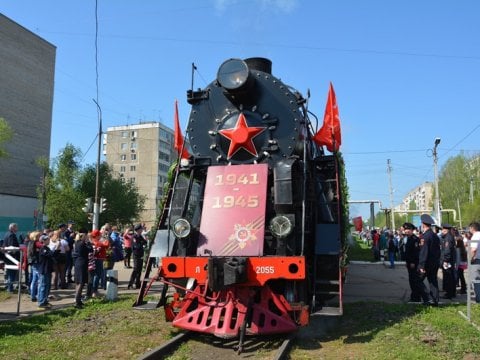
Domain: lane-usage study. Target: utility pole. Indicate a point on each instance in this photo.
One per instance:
(96, 203)
(435, 170)
(389, 170)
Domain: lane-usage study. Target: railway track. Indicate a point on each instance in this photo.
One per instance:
(212, 348)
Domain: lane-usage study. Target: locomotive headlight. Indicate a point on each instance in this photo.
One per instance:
(233, 74)
(281, 226)
(181, 228)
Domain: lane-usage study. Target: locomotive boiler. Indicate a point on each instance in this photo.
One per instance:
(250, 237)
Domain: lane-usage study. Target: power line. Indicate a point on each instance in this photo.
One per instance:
(462, 139)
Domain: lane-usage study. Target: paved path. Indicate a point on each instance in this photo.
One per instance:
(377, 282)
(365, 282)
(62, 298)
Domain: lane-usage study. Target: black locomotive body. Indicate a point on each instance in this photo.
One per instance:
(250, 237)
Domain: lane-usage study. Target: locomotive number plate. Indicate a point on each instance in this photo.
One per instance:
(233, 215)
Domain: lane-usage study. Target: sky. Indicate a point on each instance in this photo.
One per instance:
(404, 72)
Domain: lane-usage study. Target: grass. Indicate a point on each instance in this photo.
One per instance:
(107, 330)
(392, 331)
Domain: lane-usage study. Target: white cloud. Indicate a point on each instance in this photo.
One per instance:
(285, 6)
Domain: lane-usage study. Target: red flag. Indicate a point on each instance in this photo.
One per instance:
(330, 135)
(358, 223)
(178, 137)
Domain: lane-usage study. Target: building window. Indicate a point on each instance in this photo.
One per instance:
(163, 156)
(133, 145)
(123, 157)
(123, 146)
(123, 168)
(133, 134)
(133, 156)
(132, 180)
(124, 134)
(133, 168)
(163, 167)
(165, 146)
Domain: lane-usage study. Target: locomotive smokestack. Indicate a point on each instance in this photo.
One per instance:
(260, 64)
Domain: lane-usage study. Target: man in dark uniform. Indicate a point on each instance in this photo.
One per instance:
(138, 246)
(447, 261)
(429, 260)
(412, 251)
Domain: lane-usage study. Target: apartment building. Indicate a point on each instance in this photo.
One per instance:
(27, 68)
(142, 154)
(422, 196)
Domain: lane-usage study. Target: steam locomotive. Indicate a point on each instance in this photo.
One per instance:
(251, 233)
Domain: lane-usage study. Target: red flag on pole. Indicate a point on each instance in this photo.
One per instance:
(330, 135)
(178, 137)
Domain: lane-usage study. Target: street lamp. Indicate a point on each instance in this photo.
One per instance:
(435, 170)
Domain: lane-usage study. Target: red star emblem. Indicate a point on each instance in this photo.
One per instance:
(241, 136)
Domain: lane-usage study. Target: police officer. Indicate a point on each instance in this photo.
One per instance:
(138, 246)
(448, 261)
(412, 251)
(429, 259)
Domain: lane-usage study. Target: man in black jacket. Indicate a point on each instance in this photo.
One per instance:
(412, 251)
(138, 247)
(448, 261)
(429, 259)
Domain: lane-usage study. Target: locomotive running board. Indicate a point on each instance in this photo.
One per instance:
(328, 311)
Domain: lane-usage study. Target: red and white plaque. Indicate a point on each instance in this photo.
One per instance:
(233, 216)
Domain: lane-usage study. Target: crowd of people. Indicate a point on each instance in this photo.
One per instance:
(57, 258)
(428, 249)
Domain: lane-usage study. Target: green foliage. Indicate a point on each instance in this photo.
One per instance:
(63, 200)
(344, 208)
(124, 202)
(6, 134)
(67, 185)
(454, 183)
(471, 211)
(166, 186)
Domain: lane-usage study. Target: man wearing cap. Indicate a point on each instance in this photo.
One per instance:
(412, 251)
(139, 243)
(428, 261)
(448, 261)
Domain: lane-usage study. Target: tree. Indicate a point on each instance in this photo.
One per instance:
(67, 185)
(43, 163)
(6, 134)
(63, 200)
(124, 202)
(453, 182)
(471, 211)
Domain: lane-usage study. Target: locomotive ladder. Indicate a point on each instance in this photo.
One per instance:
(327, 272)
(147, 282)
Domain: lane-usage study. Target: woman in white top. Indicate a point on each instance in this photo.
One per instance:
(60, 247)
